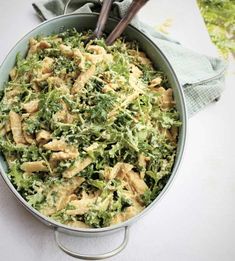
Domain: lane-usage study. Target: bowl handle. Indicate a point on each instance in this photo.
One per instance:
(93, 257)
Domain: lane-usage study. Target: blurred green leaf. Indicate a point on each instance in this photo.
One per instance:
(219, 16)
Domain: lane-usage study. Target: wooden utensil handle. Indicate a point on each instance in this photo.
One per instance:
(121, 26)
(104, 13)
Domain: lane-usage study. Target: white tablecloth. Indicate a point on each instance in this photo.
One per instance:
(195, 220)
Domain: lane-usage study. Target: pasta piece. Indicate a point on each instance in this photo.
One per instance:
(29, 138)
(98, 54)
(135, 71)
(63, 200)
(31, 106)
(34, 46)
(78, 166)
(35, 87)
(66, 50)
(65, 192)
(12, 93)
(108, 58)
(7, 126)
(110, 87)
(142, 160)
(63, 115)
(43, 136)
(43, 44)
(60, 195)
(119, 171)
(165, 132)
(136, 84)
(79, 58)
(56, 145)
(140, 57)
(58, 83)
(171, 134)
(47, 65)
(32, 42)
(121, 80)
(126, 214)
(130, 99)
(92, 147)
(42, 77)
(82, 79)
(2, 130)
(34, 166)
(64, 150)
(55, 81)
(94, 58)
(57, 39)
(13, 74)
(16, 128)
(136, 182)
(166, 97)
(47, 210)
(134, 81)
(155, 82)
(64, 155)
(82, 205)
(106, 173)
(96, 49)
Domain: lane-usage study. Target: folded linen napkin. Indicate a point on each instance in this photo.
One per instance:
(201, 76)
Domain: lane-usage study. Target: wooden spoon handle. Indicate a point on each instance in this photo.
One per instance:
(104, 14)
(121, 26)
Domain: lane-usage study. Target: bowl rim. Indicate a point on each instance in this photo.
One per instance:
(177, 163)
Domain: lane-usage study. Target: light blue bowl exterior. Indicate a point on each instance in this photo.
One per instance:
(84, 22)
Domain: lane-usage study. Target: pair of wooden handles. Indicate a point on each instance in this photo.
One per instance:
(135, 6)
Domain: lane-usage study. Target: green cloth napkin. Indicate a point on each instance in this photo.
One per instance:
(201, 77)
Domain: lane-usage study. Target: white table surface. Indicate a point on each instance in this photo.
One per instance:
(195, 221)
